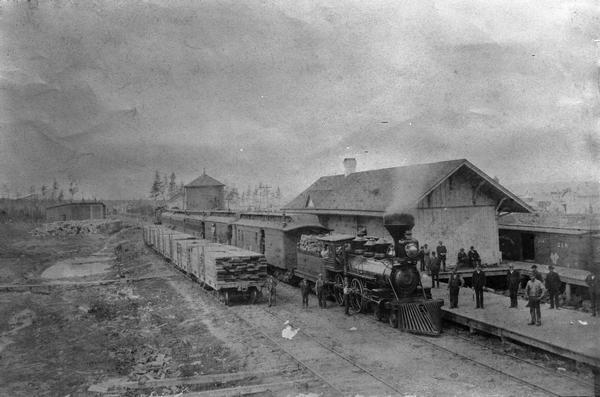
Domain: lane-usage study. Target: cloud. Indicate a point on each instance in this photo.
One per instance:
(297, 83)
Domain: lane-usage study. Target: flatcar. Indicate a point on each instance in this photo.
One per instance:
(383, 276)
(229, 271)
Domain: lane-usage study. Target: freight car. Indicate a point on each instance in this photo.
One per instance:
(383, 276)
(229, 271)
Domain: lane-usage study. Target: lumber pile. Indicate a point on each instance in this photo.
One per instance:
(71, 228)
(226, 264)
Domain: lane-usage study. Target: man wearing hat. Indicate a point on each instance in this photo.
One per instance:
(535, 273)
(478, 281)
(535, 291)
(441, 253)
(553, 284)
(513, 279)
(320, 291)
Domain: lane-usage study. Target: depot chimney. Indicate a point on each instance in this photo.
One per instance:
(349, 166)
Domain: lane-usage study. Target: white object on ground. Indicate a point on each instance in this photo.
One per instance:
(288, 332)
(582, 322)
(353, 329)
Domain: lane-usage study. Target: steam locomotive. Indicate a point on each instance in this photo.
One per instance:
(383, 277)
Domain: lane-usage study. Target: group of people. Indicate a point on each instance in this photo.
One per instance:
(435, 261)
(535, 289)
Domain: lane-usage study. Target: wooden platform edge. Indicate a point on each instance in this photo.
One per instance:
(504, 333)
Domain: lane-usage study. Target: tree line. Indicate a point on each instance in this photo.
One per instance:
(52, 193)
(164, 187)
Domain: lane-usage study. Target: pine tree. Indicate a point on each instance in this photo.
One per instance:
(172, 185)
(61, 196)
(43, 190)
(156, 187)
(55, 189)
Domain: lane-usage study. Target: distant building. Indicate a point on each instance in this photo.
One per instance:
(76, 211)
(204, 193)
(451, 201)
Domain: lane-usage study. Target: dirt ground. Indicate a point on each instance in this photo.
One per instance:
(161, 334)
(61, 341)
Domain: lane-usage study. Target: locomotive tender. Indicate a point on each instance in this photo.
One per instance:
(383, 277)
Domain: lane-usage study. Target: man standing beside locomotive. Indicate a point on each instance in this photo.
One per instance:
(347, 296)
(434, 267)
(454, 284)
(305, 290)
(320, 291)
(426, 256)
(478, 285)
(441, 253)
(272, 290)
(553, 286)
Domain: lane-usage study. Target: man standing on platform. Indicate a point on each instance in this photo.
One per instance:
(474, 258)
(305, 290)
(434, 267)
(462, 258)
(478, 285)
(320, 291)
(454, 284)
(441, 253)
(535, 291)
(594, 290)
(513, 279)
(553, 286)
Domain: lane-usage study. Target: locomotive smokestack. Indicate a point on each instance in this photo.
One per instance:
(397, 225)
(349, 166)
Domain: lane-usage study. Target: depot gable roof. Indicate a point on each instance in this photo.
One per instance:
(204, 180)
(373, 192)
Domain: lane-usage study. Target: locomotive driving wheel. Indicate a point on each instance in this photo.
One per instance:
(338, 289)
(356, 299)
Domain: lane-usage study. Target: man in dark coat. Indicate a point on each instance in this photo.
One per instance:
(422, 258)
(478, 281)
(474, 258)
(272, 290)
(594, 288)
(434, 267)
(320, 291)
(553, 284)
(513, 279)
(305, 290)
(462, 258)
(454, 284)
(347, 296)
(441, 253)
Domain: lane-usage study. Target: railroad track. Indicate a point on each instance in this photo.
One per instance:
(556, 384)
(333, 371)
(359, 379)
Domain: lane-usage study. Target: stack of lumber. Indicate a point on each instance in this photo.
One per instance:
(226, 264)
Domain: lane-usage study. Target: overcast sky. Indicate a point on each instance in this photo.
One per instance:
(107, 92)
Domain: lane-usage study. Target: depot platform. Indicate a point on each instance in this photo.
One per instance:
(567, 333)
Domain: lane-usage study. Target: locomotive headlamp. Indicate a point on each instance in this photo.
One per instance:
(412, 251)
